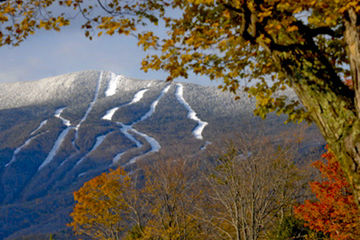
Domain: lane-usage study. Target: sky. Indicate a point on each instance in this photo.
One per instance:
(49, 53)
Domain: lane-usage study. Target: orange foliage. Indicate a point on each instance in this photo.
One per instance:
(349, 83)
(101, 206)
(335, 212)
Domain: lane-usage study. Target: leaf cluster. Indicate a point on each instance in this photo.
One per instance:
(335, 212)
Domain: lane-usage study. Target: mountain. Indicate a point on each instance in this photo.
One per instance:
(57, 133)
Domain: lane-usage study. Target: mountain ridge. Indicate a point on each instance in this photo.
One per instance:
(61, 131)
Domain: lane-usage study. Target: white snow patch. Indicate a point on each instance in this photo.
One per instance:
(110, 113)
(98, 142)
(17, 150)
(155, 146)
(125, 130)
(138, 96)
(197, 132)
(117, 158)
(113, 83)
(58, 115)
(55, 148)
(153, 105)
(39, 127)
(207, 143)
(82, 174)
(91, 105)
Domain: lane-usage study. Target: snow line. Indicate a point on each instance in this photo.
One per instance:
(59, 140)
(153, 106)
(58, 113)
(111, 89)
(197, 132)
(125, 129)
(66, 122)
(207, 143)
(55, 148)
(39, 127)
(17, 150)
(91, 105)
(110, 113)
(99, 140)
(137, 97)
(155, 147)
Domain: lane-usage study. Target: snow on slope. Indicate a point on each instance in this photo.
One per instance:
(32, 136)
(127, 129)
(113, 83)
(39, 127)
(110, 113)
(98, 142)
(91, 105)
(197, 132)
(55, 148)
(155, 146)
(59, 139)
(58, 113)
(137, 97)
(153, 105)
(67, 123)
(17, 150)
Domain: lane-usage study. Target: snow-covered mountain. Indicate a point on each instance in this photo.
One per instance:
(58, 132)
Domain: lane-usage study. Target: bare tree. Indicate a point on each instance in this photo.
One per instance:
(172, 191)
(252, 185)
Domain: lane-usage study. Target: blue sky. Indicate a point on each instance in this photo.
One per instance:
(53, 53)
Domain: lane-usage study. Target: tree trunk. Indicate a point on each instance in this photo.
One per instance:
(351, 143)
(338, 121)
(333, 106)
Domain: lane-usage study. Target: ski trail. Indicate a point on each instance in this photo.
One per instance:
(117, 157)
(17, 150)
(125, 129)
(137, 97)
(55, 148)
(58, 115)
(110, 113)
(59, 139)
(112, 85)
(197, 131)
(99, 140)
(155, 147)
(91, 105)
(207, 143)
(153, 106)
(39, 127)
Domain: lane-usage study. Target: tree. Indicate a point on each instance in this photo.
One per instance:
(105, 206)
(252, 187)
(112, 206)
(307, 45)
(172, 192)
(335, 212)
